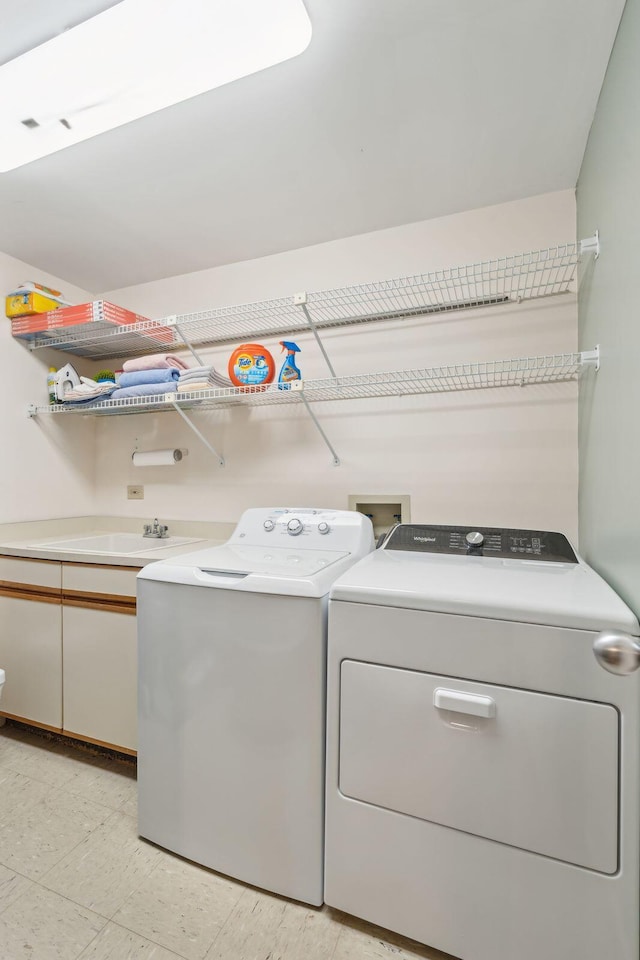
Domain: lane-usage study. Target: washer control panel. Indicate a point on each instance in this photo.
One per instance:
(501, 542)
(312, 528)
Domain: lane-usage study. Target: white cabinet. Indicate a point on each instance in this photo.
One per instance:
(68, 648)
(100, 672)
(31, 656)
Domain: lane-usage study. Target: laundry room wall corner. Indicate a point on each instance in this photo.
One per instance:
(608, 198)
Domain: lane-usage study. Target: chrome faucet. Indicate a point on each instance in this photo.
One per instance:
(157, 530)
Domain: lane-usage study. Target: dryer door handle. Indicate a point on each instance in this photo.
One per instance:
(461, 702)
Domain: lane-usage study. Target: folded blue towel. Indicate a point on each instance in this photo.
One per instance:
(145, 390)
(155, 375)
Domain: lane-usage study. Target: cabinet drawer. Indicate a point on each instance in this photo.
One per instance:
(88, 580)
(42, 574)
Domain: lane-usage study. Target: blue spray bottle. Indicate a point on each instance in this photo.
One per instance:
(289, 370)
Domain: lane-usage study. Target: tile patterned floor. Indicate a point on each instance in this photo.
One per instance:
(77, 883)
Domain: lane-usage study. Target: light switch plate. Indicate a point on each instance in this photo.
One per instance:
(135, 492)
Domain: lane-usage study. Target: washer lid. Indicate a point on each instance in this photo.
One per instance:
(555, 594)
(284, 570)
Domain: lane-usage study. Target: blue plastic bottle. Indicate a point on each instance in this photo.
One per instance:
(289, 370)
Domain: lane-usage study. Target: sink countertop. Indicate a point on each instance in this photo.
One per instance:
(25, 539)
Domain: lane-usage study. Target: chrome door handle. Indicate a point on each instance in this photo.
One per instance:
(617, 652)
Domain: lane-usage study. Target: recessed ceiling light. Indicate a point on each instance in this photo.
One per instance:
(134, 59)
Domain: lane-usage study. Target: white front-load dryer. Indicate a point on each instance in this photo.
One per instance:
(231, 701)
(482, 758)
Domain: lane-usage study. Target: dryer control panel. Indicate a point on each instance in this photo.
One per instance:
(500, 542)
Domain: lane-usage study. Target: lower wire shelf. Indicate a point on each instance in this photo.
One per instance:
(522, 371)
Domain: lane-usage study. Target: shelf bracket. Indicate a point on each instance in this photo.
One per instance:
(300, 300)
(336, 458)
(591, 357)
(172, 321)
(189, 422)
(32, 410)
(591, 245)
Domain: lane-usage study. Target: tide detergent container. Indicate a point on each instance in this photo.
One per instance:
(289, 371)
(250, 365)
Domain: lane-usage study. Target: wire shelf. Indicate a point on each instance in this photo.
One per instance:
(524, 276)
(490, 374)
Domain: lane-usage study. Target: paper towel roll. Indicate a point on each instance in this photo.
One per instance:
(156, 458)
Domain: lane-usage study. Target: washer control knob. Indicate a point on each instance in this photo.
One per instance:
(617, 652)
(268, 525)
(474, 539)
(323, 527)
(294, 527)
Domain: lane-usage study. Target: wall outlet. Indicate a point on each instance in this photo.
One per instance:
(135, 492)
(384, 510)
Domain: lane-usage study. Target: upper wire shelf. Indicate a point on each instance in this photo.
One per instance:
(453, 377)
(524, 276)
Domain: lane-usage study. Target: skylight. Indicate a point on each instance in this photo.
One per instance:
(134, 59)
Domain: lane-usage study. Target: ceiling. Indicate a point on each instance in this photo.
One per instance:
(398, 111)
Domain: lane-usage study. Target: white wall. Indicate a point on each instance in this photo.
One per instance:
(608, 198)
(504, 457)
(47, 464)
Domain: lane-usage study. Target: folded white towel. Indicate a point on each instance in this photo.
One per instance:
(194, 385)
(204, 374)
(87, 389)
(198, 376)
(88, 382)
(196, 371)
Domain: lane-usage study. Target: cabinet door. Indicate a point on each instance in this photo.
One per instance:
(31, 656)
(100, 673)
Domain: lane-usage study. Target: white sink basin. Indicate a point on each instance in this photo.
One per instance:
(119, 543)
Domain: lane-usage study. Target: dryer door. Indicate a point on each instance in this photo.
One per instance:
(532, 770)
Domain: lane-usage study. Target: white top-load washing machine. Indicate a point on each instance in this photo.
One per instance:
(232, 687)
(482, 760)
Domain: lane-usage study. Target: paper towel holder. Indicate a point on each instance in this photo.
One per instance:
(158, 458)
